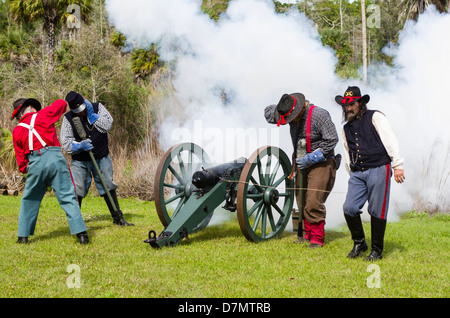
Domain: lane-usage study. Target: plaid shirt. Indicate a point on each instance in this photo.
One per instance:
(323, 130)
(103, 125)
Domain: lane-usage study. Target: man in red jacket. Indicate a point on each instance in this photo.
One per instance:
(39, 156)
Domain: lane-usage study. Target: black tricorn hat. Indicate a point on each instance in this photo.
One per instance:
(22, 103)
(75, 101)
(352, 94)
(288, 108)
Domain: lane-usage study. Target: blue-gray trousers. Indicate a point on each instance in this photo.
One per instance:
(372, 186)
(48, 168)
(83, 171)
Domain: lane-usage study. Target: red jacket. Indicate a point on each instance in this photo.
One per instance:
(44, 125)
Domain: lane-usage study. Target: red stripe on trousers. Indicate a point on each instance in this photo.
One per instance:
(383, 210)
(73, 181)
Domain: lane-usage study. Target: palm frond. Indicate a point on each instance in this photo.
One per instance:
(7, 147)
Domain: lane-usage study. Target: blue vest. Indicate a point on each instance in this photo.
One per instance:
(365, 147)
(99, 140)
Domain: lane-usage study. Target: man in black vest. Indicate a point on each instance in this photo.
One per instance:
(372, 152)
(96, 121)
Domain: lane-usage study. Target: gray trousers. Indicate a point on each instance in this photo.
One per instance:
(83, 171)
(372, 186)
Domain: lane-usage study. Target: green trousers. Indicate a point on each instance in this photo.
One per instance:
(48, 168)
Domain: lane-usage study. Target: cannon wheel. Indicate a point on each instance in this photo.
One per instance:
(265, 195)
(172, 187)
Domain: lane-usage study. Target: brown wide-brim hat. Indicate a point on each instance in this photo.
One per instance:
(289, 107)
(22, 103)
(351, 95)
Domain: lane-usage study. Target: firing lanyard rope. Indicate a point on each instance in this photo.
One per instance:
(294, 188)
(272, 187)
(308, 148)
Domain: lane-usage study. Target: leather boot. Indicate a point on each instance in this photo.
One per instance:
(307, 236)
(317, 235)
(79, 200)
(83, 237)
(117, 217)
(22, 240)
(356, 229)
(378, 227)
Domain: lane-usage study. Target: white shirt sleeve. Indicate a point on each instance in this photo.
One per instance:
(388, 138)
(346, 155)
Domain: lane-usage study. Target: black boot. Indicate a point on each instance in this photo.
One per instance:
(83, 237)
(356, 229)
(79, 200)
(22, 240)
(117, 216)
(378, 227)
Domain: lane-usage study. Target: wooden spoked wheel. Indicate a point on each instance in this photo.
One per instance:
(265, 194)
(173, 187)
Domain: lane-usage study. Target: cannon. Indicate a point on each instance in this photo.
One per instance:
(188, 188)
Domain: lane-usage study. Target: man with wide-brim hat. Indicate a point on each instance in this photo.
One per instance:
(314, 138)
(351, 95)
(39, 156)
(288, 108)
(371, 153)
(21, 104)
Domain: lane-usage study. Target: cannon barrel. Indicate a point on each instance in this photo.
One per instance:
(209, 177)
(201, 179)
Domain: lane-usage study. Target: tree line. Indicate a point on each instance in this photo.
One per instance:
(43, 56)
(48, 48)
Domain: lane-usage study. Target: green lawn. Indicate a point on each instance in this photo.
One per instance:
(219, 261)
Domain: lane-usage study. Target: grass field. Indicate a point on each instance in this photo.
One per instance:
(218, 263)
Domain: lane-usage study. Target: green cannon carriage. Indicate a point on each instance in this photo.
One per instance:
(188, 189)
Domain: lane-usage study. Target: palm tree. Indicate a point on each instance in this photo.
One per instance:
(52, 12)
(7, 148)
(412, 8)
(143, 62)
(14, 46)
(117, 39)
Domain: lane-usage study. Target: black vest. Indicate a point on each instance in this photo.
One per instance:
(99, 140)
(365, 147)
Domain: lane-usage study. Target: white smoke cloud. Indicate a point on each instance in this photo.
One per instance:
(253, 56)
